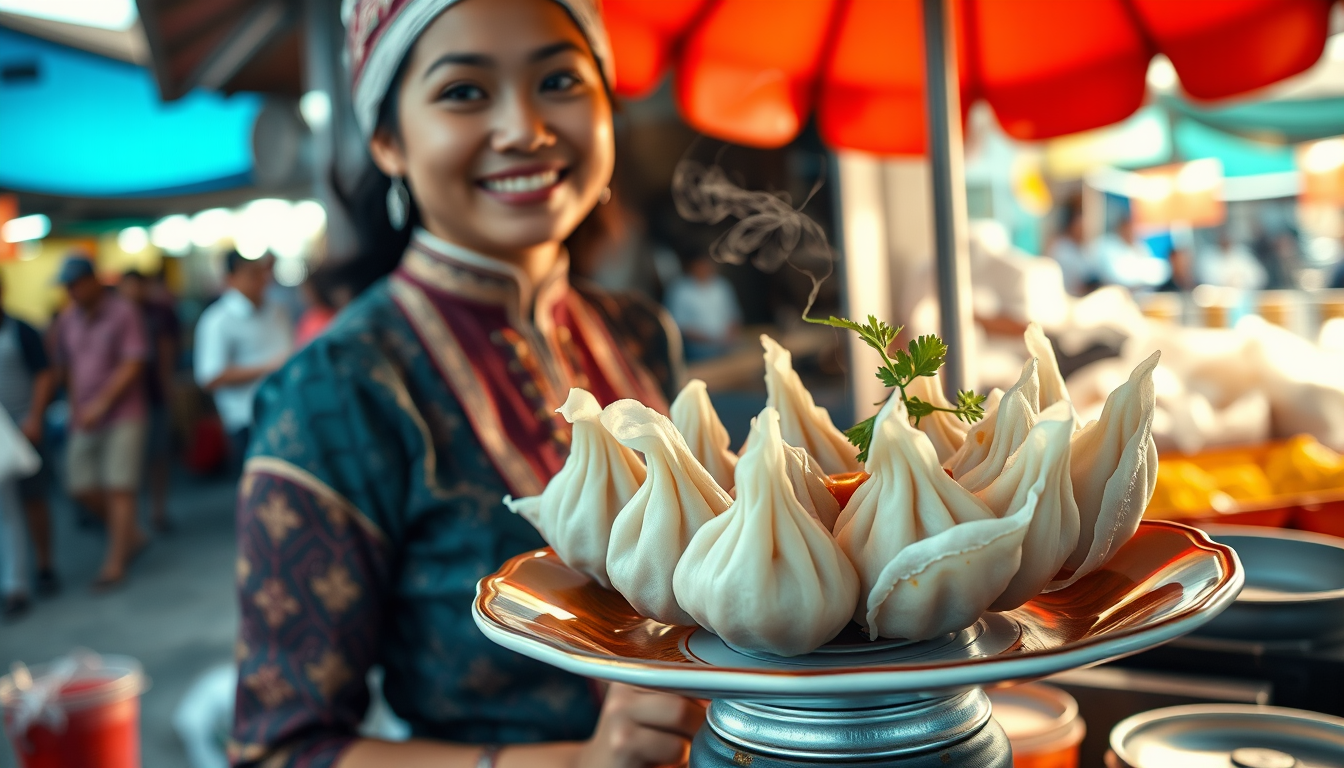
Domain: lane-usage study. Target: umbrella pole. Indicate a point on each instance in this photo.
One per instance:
(943, 108)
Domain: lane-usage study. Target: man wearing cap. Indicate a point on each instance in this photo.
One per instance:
(100, 350)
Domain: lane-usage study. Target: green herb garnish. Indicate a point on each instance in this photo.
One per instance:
(924, 357)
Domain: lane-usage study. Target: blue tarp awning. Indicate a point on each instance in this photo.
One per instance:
(76, 124)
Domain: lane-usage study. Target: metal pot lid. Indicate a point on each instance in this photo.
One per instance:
(1229, 736)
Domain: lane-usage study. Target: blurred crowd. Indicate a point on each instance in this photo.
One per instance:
(114, 389)
(1121, 257)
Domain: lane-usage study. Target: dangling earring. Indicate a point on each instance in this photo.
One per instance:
(398, 203)
(605, 197)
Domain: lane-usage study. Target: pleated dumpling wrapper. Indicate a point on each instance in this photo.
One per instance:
(996, 437)
(575, 511)
(653, 529)
(1039, 468)
(1052, 387)
(945, 431)
(809, 486)
(802, 422)
(1113, 464)
(765, 575)
(695, 417)
(931, 556)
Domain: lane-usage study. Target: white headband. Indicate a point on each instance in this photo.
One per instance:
(379, 34)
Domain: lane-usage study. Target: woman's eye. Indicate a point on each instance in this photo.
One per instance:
(561, 82)
(463, 92)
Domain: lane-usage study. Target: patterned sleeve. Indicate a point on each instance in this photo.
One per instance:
(313, 568)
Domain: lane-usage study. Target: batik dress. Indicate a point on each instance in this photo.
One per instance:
(371, 502)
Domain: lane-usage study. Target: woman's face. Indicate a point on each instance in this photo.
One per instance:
(505, 133)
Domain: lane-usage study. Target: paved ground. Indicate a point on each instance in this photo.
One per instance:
(175, 614)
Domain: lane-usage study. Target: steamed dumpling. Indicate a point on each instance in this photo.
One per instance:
(765, 575)
(695, 417)
(1039, 468)
(931, 556)
(1053, 389)
(809, 484)
(809, 487)
(1114, 471)
(945, 431)
(802, 422)
(653, 529)
(997, 436)
(575, 511)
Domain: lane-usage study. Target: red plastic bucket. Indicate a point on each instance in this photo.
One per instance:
(81, 711)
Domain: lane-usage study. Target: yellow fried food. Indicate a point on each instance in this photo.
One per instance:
(1243, 482)
(1182, 489)
(1303, 465)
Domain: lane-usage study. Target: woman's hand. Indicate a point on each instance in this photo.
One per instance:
(642, 729)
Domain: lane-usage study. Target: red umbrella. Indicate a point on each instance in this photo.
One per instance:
(754, 71)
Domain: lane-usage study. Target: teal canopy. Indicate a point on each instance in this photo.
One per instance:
(1239, 156)
(1283, 122)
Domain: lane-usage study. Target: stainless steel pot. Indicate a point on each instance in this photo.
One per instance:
(1227, 736)
(1294, 585)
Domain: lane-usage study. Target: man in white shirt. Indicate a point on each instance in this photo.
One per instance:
(239, 340)
(1232, 265)
(1127, 260)
(1076, 261)
(705, 309)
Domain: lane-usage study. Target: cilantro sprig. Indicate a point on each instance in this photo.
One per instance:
(923, 357)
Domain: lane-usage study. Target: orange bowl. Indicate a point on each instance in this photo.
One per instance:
(1326, 516)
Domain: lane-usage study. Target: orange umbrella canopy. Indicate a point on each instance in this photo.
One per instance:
(753, 71)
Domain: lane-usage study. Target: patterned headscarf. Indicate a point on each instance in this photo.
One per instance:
(379, 34)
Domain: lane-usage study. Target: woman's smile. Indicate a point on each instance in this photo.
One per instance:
(528, 185)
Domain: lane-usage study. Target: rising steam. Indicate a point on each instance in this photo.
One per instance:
(769, 230)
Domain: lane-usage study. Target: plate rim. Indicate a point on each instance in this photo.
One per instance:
(879, 680)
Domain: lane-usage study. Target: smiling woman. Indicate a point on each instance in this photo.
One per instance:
(371, 502)
(504, 130)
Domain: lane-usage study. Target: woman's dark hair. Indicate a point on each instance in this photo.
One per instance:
(378, 246)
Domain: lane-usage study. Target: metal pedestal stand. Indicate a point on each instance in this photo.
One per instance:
(856, 703)
(955, 730)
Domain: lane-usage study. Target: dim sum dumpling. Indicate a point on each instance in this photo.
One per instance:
(695, 417)
(765, 575)
(1040, 468)
(1114, 472)
(931, 557)
(575, 511)
(653, 529)
(802, 422)
(1052, 388)
(997, 436)
(809, 486)
(945, 431)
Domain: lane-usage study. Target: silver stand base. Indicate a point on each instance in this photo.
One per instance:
(956, 730)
